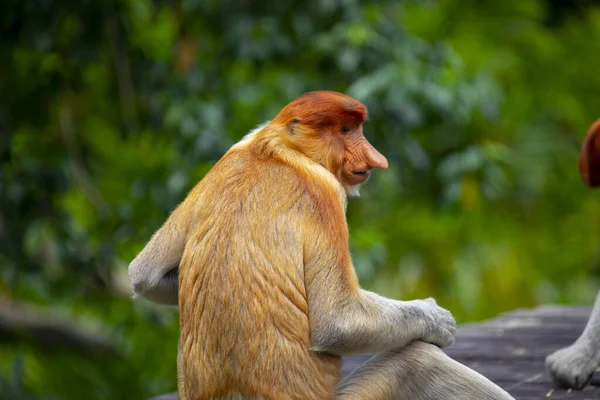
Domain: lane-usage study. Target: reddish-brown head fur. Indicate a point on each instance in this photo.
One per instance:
(327, 127)
(589, 156)
(323, 110)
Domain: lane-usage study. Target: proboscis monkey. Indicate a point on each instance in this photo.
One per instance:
(268, 297)
(573, 366)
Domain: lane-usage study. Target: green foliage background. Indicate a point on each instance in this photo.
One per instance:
(111, 111)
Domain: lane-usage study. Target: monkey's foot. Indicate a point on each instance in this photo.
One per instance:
(572, 366)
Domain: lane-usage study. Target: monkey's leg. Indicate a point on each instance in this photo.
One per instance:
(574, 365)
(420, 371)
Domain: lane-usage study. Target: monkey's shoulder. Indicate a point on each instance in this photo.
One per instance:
(269, 186)
(308, 185)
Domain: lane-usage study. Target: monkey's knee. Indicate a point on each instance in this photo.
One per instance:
(420, 371)
(437, 376)
(397, 374)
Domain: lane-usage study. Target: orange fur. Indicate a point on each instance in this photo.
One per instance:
(266, 219)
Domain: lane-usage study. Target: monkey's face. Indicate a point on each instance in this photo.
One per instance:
(327, 127)
(359, 156)
(341, 148)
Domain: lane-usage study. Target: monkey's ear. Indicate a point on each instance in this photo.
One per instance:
(589, 156)
(293, 124)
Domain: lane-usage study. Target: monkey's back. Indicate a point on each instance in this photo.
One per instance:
(243, 308)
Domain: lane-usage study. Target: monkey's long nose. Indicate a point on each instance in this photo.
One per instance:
(375, 158)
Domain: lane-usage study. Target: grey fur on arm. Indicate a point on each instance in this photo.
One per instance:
(373, 323)
(154, 272)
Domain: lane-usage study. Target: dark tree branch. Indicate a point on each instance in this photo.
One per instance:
(19, 323)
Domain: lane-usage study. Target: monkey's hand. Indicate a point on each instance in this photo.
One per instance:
(440, 326)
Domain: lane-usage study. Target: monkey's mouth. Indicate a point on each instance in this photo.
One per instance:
(359, 176)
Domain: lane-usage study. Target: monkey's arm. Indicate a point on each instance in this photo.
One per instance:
(367, 323)
(345, 319)
(154, 271)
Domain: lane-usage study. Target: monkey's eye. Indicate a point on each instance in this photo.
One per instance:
(346, 129)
